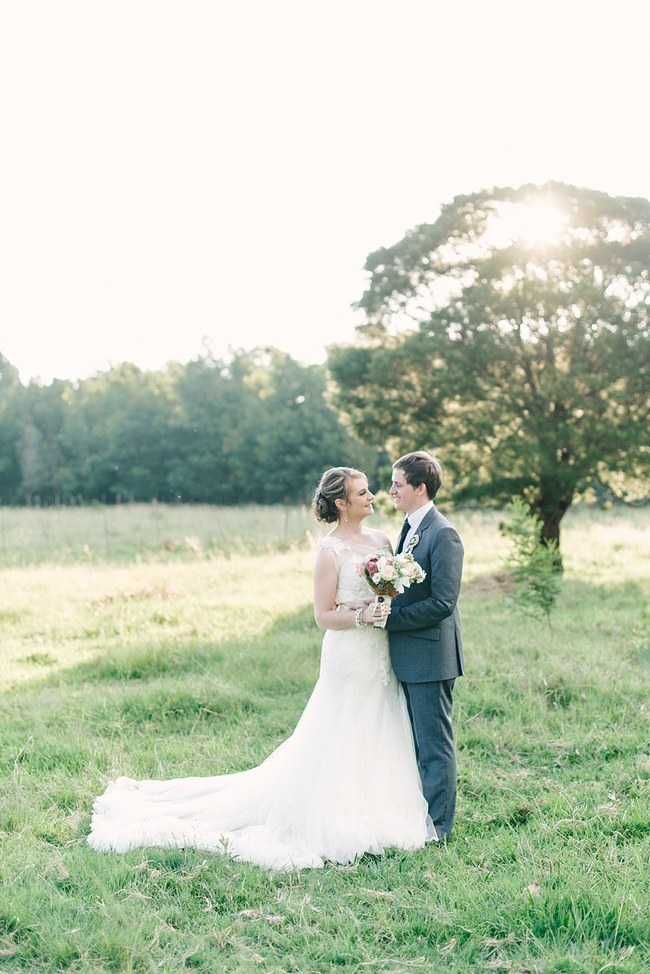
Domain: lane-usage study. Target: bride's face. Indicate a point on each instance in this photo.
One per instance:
(359, 502)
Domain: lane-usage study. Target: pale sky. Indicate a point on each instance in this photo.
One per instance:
(183, 174)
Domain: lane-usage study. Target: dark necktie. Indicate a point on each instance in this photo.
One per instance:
(403, 533)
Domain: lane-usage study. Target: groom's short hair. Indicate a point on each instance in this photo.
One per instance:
(422, 467)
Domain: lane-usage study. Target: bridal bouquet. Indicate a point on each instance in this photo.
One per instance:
(388, 575)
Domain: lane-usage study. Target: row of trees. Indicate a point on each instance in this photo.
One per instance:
(255, 429)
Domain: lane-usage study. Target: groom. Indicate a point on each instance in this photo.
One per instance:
(426, 645)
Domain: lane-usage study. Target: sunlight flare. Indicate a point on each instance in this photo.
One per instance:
(533, 223)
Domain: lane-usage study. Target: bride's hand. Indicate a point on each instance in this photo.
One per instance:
(375, 612)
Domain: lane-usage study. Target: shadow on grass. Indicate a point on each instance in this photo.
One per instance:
(200, 688)
(147, 662)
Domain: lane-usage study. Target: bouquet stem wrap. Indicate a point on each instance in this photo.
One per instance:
(385, 600)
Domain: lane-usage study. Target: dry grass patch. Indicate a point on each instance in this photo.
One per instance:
(62, 616)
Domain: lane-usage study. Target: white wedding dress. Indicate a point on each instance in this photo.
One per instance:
(345, 782)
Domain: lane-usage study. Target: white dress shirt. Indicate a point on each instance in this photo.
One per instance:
(415, 519)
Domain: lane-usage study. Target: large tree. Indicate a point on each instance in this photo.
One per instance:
(512, 335)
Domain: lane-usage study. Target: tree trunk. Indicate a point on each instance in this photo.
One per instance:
(551, 515)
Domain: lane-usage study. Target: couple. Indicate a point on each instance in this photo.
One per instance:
(371, 762)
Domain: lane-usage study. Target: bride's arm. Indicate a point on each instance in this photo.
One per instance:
(327, 613)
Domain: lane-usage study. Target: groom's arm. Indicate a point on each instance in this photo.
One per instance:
(444, 569)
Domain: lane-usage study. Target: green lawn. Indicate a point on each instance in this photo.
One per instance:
(183, 643)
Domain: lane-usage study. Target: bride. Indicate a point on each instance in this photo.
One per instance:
(346, 782)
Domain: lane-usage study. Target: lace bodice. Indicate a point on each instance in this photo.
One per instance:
(352, 589)
(351, 586)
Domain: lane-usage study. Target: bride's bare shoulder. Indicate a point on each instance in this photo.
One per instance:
(378, 538)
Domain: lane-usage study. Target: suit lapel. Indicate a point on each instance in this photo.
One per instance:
(426, 522)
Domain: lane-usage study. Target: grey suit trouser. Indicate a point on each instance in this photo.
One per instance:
(430, 707)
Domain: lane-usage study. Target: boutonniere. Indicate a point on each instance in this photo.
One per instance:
(415, 539)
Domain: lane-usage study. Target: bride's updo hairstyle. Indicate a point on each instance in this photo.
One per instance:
(333, 486)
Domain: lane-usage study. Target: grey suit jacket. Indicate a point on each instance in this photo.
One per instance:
(424, 630)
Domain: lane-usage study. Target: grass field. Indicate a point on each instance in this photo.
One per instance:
(152, 532)
(166, 641)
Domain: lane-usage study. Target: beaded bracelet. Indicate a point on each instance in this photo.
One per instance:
(358, 619)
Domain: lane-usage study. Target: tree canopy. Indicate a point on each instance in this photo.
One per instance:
(512, 336)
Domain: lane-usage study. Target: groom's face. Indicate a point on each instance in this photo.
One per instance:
(405, 497)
